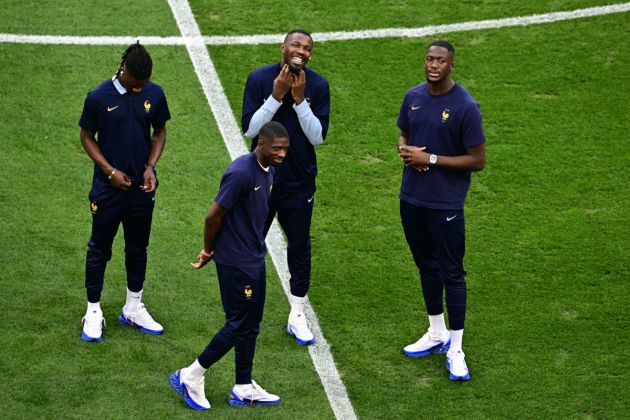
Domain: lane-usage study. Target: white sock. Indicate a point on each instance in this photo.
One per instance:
(456, 340)
(297, 303)
(243, 388)
(437, 323)
(133, 299)
(93, 307)
(195, 371)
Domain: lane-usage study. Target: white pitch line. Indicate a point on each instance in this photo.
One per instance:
(89, 40)
(320, 351)
(325, 36)
(427, 30)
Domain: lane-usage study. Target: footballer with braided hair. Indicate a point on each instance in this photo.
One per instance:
(137, 61)
(123, 130)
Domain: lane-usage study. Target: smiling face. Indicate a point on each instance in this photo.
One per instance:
(272, 151)
(296, 51)
(438, 64)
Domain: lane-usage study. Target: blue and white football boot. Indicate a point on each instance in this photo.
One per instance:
(251, 394)
(194, 392)
(456, 365)
(433, 342)
(297, 327)
(140, 319)
(93, 326)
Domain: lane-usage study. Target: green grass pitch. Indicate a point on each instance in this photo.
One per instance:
(548, 225)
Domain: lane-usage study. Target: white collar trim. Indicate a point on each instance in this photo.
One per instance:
(119, 87)
(266, 169)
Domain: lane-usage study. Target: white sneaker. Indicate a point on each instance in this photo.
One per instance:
(432, 342)
(140, 319)
(254, 394)
(298, 327)
(93, 325)
(456, 365)
(194, 392)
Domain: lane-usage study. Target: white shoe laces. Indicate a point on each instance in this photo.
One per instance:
(430, 338)
(93, 324)
(92, 319)
(298, 322)
(437, 337)
(258, 388)
(458, 363)
(257, 392)
(141, 314)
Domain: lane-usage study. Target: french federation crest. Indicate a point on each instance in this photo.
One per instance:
(445, 114)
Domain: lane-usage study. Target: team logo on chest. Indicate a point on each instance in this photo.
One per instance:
(93, 207)
(147, 106)
(248, 292)
(445, 114)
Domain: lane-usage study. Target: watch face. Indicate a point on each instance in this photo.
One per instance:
(432, 159)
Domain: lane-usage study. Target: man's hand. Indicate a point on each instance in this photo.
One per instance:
(282, 83)
(119, 179)
(202, 259)
(150, 181)
(415, 157)
(298, 87)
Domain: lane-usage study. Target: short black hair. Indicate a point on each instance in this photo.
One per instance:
(137, 61)
(443, 44)
(271, 131)
(298, 31)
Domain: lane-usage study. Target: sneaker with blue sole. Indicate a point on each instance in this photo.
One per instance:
(456, 365)
(194, 392)
(298, 328)
(141, 319)
(93, 326)
(242, 395)
(432, 342)
(175, 382)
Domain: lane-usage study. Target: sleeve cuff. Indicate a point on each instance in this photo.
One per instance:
(302, 110)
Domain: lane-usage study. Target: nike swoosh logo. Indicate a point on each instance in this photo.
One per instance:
(413, 108)
(448, 219)
(311, 199)
(112, 108)
(257, 188)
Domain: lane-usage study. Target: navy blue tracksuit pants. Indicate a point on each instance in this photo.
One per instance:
(436, 239)
(243, 291)
(295, 211)
(132, 208)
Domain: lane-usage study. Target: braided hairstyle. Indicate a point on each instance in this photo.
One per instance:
(137, 62)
